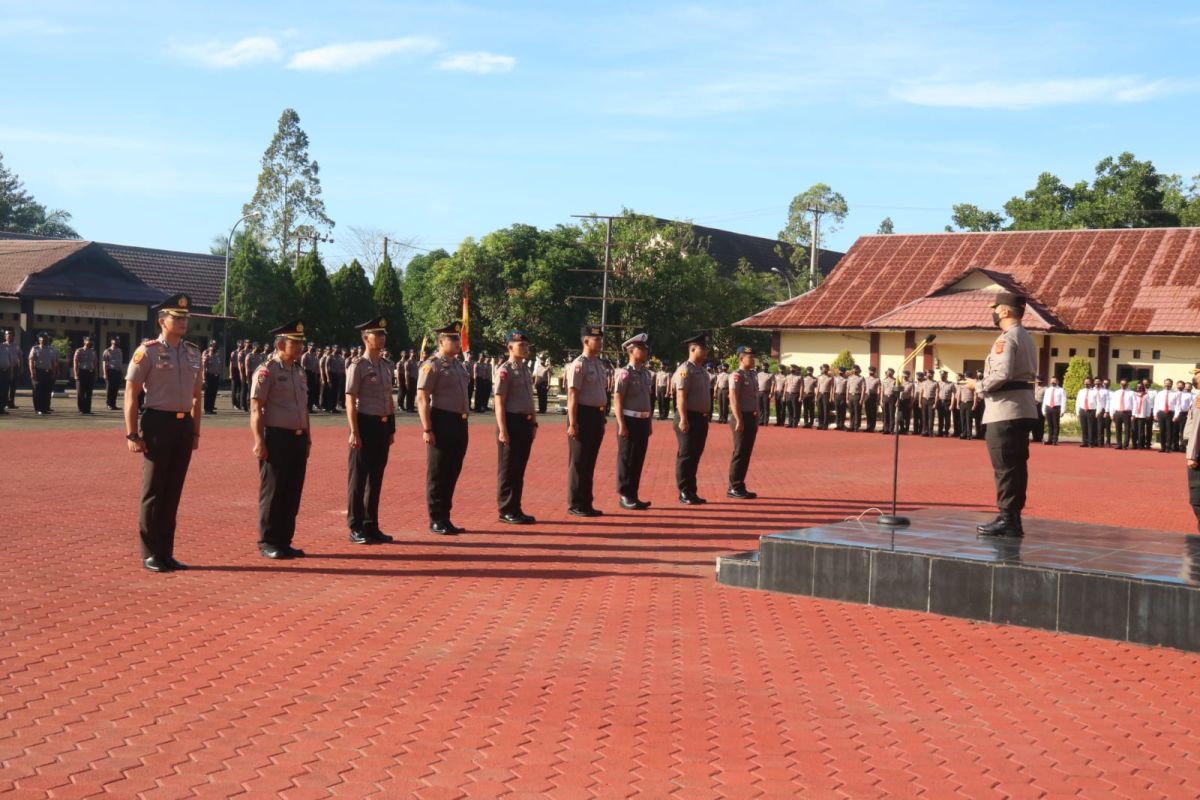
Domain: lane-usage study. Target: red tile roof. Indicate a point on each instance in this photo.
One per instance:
(1140, 280)
(957, 311)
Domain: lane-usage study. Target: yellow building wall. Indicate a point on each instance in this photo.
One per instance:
(1178, 355)
(814, 348)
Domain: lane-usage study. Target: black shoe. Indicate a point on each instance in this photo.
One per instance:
(379, 537)
(273, 552)
(628, 503)
(585, 512)
(174, 563)
(156, 564)
(450, 526)
(441, 528)
(527, 519)
(690, 499)
(1003, 525)
(294, 552)
(741, 494)
(358, 537)
(515, 519)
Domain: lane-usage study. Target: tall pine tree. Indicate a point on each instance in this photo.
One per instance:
(261, 295)
(389, 302)
(353, 302)
(314, 296)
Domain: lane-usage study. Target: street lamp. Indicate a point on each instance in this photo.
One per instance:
(783, 275)
(225, 304)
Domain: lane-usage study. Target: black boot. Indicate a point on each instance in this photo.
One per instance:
(1007, 523)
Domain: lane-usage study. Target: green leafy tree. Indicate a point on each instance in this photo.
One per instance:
(1126, 193)
(831, 207)
(419, 311)
(261, 295)
(1079, 369)
(966, 217)
(289, 190)
(353, 302)
(886, 226)
(843, 359)
(314, 296)
(1048, 206)
(389, 303)
(20, 213)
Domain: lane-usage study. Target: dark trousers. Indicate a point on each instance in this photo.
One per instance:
(443, 462)
(1165, 434)
(543, 397)
(5, 378)
(928, 415)
(855, 404)
(235, 391)
(764, 407)
(904, 409)
(1008, 447)
(410, 398)
(365, 475)
(839, 411)
(1039, 427)
(1142, 432)
(808, 409)
(43, 389)
(780, 413)
(280, 484)
(113, 378)
(1104, 422)
(980, 428)
(823, 411)
(1177, 430)
(743, 448)
(581, 455)
(211, 383)
(511, 460)
(943, 417)
(1193, 480)
(1123, 421)
(871, 405)
(631, 456)
(1053, 418)
(83, 390)
(889, 414)
(13, 377)
(663, 403)
(793, 410)
(168, 441)
(329, 396)
(483, 391)
(723, 407)
(1087, 426)
(690, 449)
(314, 388)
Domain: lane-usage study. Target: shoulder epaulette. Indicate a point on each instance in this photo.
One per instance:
(192, 345)
(148, 342)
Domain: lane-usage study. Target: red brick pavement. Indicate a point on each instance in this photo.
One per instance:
(572, 659)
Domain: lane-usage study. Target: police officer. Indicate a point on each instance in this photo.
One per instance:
(541, 382)
(889, 395)
(310, 361)
(211, 364)
(662, 394)
(838, 399)
(9, 355)
(1007, 387)
(483, 383)
(168, 369)
(721, 393)
(235, 374)
(443, 403)
(586, 397)
(824, 397)
(631, 405)
(9, 398)
(945, 397)
(929, 404)
(282, 440)
(871, 386)
(43, 370)
(371, 412)
(743, 399)
(793, 384)
(808, 390)
(692, 393)
(904, 403)
(854, 396)
(517, 427)
(83, 365)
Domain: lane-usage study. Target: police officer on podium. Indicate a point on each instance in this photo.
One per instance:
(1007, 388)
(168, 369)
(371, 412)
(692, 405)
(587, 405)
(743, 402)
(517, 425)
(632, 407)
(443, 403)
(282, 440)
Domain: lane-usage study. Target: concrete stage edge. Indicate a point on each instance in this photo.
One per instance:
(1126, 584)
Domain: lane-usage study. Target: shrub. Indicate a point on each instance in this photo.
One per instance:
(1078, 370)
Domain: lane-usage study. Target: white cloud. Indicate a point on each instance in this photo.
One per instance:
(214, 55)
(477, 63)
(1021, 95)
(349, 55)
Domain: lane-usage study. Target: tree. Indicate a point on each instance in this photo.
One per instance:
(419, 311)
(843, 360)
(1126, 193)
(289, 190)
(967, 217)
(20, 213)
(886, 226)
(261, 294)
(832, 210)
(1079, 369)
(314, 296)
(353, 302)
(1048, 206)
(389, 303)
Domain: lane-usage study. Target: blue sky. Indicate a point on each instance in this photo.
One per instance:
(438, 121)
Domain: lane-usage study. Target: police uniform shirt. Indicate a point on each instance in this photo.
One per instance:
(114, 358)
(336, 365)
(1013, 358)
(85, 359)
(888, 385)
(824, 381)
(946, 391)
(43, 357)
(252, 362)
(283, 392)
(633, 384)
(1039, 394)
(445, 380)
(809, 384)
(371, 385)
(854, 385)
(169, 375)
(764, 381)
(907, 389)
(212, 364)
(839, 385)
(588, 378)
(792, 384)
(929, 389)
(777, 385)
(722, 382)
(746, 391)
(7, 358)
(514, 383)
(1191, 434)
(662, 378)
(309, 361)
(871, 383)
(693, 380)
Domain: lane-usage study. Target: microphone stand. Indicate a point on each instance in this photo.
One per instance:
(893, 520)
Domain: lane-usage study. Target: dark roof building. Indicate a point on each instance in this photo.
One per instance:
(728, 248)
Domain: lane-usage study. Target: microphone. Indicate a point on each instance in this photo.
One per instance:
(929, 339)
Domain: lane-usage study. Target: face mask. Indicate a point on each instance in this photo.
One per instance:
(996, 319)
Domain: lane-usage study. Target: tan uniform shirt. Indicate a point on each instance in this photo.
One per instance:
(746, 391)
(792, 384)
(114, 359)
(696, 386)
(588, 378)
(946, 391)
(661, 379)
(854, 386)
(446, 381)
(371, 384)
(721, 382)
(43, 357)
(211, 361)
(839, 386)
(887, 386)
(514, 383)
(929, 390)
(1192, 434)
(809, 385)
(283, 392)
(170, 375)
(9, 356)
(85, 359)
(824, 383)
(1012, 358)
(871, 384)
(634, 385)
(763, 381)
(966, 396)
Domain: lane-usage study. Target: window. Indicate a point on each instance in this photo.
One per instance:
(1053, 352)
(1126, 372)
(1137, 353)
(1116, 354)
(1091, 352)
(1071, 352)
(1155, 354)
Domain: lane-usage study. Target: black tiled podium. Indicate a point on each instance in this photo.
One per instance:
(1116, 583)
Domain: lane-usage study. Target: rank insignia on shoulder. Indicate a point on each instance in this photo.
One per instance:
(138, 355)
(427, 368)
(1000, 346)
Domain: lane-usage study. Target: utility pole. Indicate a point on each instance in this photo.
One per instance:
(812, 248)
(313, 237)
(385, 244)
(608, 246)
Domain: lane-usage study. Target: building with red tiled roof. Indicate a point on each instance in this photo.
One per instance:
(1128, 300)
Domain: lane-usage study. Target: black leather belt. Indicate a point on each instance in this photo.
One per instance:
(1011, 386)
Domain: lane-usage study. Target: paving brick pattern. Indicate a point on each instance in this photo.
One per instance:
(571, 659)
